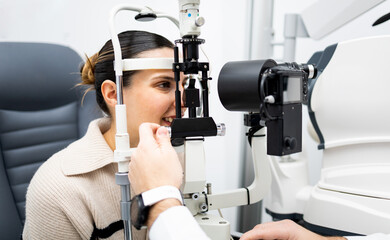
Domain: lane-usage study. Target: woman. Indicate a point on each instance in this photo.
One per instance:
(73, 195)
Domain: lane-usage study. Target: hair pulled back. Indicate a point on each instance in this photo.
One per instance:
(100, 66)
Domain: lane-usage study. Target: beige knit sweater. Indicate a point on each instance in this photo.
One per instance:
(74, 193)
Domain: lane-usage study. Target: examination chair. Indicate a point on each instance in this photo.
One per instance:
(41, 112)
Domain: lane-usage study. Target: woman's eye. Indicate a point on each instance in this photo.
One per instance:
(164, 85)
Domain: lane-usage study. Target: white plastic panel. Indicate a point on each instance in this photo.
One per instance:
(348, 212)
(351, 98)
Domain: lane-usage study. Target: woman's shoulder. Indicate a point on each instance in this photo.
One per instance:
(49, 177)
(75, 159)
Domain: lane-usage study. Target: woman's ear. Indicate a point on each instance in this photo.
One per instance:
(108, 89)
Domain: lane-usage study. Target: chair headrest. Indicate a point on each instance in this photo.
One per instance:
(33, 76)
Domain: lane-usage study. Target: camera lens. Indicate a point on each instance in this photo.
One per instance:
(238, 84)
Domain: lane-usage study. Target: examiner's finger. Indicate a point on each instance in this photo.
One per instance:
(146, 132)
(284, 229)
(162, 137)
(250, 235)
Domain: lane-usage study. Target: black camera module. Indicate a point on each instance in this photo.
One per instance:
(272, 93)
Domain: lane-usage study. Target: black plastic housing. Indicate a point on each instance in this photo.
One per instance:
(284, 135)
(238, 84)
(193, 127)
(272, 94)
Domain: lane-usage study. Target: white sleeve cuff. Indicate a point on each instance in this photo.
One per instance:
(376, 236)
(176, 223)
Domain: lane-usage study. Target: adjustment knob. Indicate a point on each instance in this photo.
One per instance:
(199, 21)
(305, 88)
(221, 129)
(290, 143)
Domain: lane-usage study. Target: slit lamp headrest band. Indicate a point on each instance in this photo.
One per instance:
(131, 64)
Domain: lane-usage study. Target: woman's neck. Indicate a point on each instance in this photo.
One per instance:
(109, 136)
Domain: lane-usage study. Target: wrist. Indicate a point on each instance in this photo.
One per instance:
(142, 204)
(159, 208)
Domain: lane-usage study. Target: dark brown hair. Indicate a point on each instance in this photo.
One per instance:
(100, 66)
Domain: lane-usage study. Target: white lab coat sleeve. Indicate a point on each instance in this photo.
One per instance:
(176, 223)
(376, 236)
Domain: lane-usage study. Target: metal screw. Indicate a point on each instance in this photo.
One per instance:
(203, 207)
(195, 196)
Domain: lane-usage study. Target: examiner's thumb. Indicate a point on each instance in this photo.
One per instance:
(163, 137)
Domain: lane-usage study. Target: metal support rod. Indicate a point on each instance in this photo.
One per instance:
(123, 181)
(261, 33)
(177, 80)
(192, 112)
(119, 89)
(205, 94)
(290, 37)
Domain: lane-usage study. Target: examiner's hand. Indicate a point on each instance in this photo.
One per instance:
(284, 230)
(155, 162)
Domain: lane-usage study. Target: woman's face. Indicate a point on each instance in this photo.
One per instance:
(151, 96)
